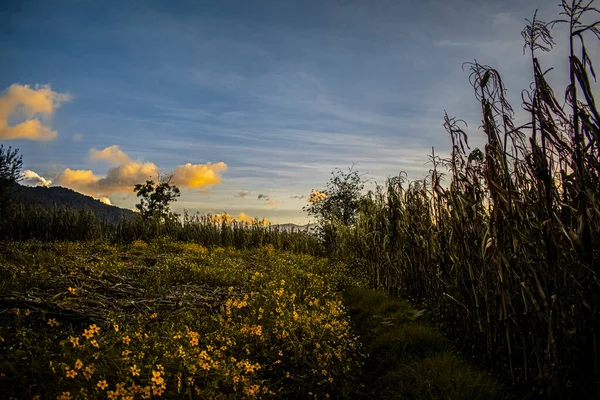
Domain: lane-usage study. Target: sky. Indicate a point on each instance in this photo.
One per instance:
(250, 104)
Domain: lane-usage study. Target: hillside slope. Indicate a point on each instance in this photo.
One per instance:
(67, 198)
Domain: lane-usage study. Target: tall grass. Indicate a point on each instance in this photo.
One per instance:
(506, 255)
(24, 222)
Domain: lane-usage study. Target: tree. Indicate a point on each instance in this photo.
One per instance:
(340, 200)
(155, 198)
(10, 172)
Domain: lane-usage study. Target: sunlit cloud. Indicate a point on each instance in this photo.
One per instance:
(105, 200)
(112, 154)
(242, 194)
(34, 178)
(271, 202)
(198, 175)
(25, 103)
(242, 217)
(123, 177)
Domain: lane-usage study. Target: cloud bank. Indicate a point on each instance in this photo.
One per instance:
(127, 173)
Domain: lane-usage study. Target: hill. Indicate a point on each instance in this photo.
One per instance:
(67, 198)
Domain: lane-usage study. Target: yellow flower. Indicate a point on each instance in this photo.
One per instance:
(95, 343)
(134, 370)
(102, 384)
(112, 395)
(126, 339)
(157, 390)
(88, 334)
(94, 328)
(27, 312)
(73, 291)
(71, 373)
(153, 316)
(52, 322)
(74, 341)
(64, 396)
(116, 326)
(78, 364)
(194, 341)
(36, 397)
(156, 378)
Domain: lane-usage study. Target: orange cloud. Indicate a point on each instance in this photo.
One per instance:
(121, 178)
(24, 102)
(272, 202)
(198, 175)
(105, 200)
(124, 176)
(77, 179)
(111, 154)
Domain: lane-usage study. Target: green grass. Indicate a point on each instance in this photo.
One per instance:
(407, 357)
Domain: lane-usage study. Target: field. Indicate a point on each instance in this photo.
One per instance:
(178, 320)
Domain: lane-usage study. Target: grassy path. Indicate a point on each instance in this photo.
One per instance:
(409, 359)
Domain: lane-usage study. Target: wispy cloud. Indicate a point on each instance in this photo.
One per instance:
(33, 177)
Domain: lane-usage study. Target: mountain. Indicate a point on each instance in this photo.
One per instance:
(296, 228)
(67, 198)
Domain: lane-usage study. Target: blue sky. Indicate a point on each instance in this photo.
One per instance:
(280, 92)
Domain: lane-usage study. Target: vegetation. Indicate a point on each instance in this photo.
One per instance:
(408, 357)
(506, 256)
(10, 173)
(155, 198)
(173, 320)
(503, 257)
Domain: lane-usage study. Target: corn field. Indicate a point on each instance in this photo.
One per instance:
(506, 255)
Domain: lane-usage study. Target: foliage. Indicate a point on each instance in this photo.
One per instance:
(173, 320)
(155, 198)
(58, 223)
(10, 173)
(506, 256)
(340, 200)
(408, 358)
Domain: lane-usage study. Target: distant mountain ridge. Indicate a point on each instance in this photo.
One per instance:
(68, 198)
(294, 227)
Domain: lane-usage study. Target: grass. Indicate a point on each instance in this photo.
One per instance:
(408, 357)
